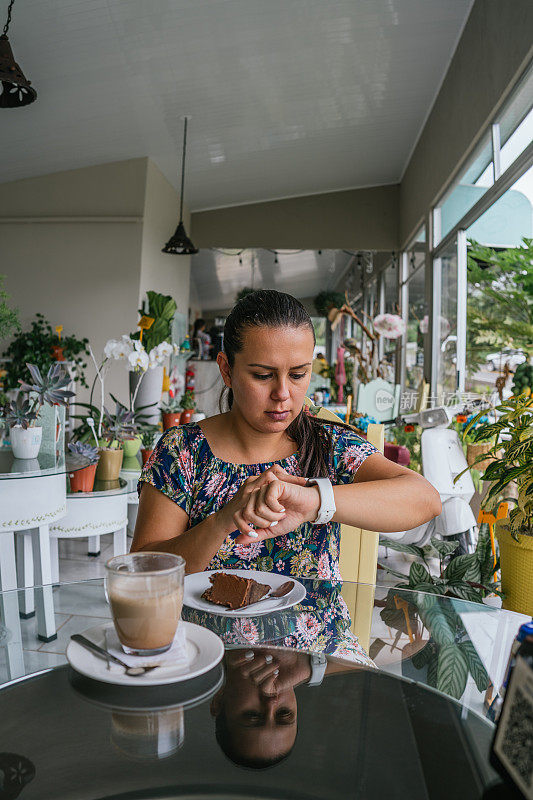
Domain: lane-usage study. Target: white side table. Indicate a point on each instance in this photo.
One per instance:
(91, 515)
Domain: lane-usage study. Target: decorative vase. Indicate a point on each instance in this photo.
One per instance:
(476, 449)
(149, 393)
(171, 418)
(186, 415)
(145, 454)
(109, 464)
(516, 559)
(26, 442)
(82, 480)
(131, 446)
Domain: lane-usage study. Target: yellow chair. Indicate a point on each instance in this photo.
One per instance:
(359, 554)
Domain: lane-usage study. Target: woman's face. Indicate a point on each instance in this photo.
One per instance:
(271, 375)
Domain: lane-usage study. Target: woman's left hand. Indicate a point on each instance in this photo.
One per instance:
(300, 503)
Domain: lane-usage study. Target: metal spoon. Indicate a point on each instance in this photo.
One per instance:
(281, 591)
(132, 671)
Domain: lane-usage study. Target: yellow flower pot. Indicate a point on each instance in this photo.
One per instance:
(516, 560)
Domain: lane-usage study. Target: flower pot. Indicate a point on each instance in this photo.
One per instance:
(186, 415)
(82, 480)
(516, 559)
(57, 353)
(171, 418)
(476, 449)
(145, 454)
(26, 443)
(131, 446)
(149, 393)
(109, 465)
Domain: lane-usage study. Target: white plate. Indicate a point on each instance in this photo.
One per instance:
(204, 649)
(198, 582)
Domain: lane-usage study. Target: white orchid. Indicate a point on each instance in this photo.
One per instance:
(176, 349)
(138, 360)
(164, 349)
(118, 348)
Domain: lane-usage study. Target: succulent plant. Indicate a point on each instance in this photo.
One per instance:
(51, 388)
(148, 434)
(84, 450)
(171, 406)
(187, 402)
(23, 414)
(120, 425)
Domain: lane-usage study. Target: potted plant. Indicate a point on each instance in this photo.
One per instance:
(25, 435)
(36, 346)
(188, 405)
(148, 435)
(171, 411)
(116, 427)
(82, 480)
(511, 451)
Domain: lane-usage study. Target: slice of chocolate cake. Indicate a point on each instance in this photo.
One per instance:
(233, 591)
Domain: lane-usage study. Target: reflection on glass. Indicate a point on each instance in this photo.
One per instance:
(417, 326)
(447, 350)
(148, 735)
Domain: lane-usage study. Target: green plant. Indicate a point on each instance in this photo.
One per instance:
(161, 308)
(23, 414)
(407, 436)
(499, 307)
(523, 379)
(511, 437)
(51, 388)
(35, 346)
(449, 655)
(9, 320)
(84, 450)
(325, 301)
(171, 406)
(118, 426)
(187, 402)
(148, 434)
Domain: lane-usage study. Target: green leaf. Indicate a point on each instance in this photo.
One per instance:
(412, 549)
(393, 571)
(452, 671)
(433, 667)
(463, 568)
(475, 665)
(423, 656)
(464, 591)
(444, 547)
(436, 622)
(430, 588)
(418, 574)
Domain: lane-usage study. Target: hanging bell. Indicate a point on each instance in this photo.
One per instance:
(15, 90)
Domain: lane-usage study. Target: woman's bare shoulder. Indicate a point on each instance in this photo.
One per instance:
(213, 425)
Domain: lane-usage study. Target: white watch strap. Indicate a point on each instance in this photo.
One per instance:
(327, 500)
(319, 663)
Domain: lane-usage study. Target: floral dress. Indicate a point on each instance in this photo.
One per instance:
(184, 468)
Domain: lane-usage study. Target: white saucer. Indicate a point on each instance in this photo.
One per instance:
(204, 650)
(198, 582)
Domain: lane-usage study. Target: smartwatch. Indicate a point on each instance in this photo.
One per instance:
(327, 500)
(318, 663)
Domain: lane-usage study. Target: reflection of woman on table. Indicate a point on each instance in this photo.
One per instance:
(232, 491)
(256, 713)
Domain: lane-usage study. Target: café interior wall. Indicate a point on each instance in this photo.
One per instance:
(88, 274)
(492, 52)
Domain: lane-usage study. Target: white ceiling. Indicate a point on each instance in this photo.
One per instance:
(219, 275)
(287, 97)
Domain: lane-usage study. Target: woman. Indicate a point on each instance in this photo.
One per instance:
(231, 492)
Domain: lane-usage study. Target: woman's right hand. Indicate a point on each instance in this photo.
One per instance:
(275, 496)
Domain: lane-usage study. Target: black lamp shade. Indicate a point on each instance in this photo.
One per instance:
(15, 90)
(180, 244)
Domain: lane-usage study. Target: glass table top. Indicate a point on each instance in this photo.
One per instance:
(45, 464)
(390, 729)
(103, 489)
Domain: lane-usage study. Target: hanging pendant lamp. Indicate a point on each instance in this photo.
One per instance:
(15, 90)
(180, 244)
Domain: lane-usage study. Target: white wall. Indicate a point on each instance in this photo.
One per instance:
(82, 247)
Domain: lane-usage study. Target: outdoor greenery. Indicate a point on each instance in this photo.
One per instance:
(500, 300)
(35, 346)
(511, 438)
(449, 655)
(325, 301)
(9, 320)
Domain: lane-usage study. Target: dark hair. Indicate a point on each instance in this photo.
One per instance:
(273, 309)
(227, 745)
(197, 325)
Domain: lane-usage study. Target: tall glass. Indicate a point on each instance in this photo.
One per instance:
(145, 592)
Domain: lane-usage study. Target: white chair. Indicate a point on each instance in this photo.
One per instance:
(91, 515)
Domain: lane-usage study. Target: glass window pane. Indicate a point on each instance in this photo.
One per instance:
(516, 122)
(509, 219)
(447, 349)
(416, 330)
